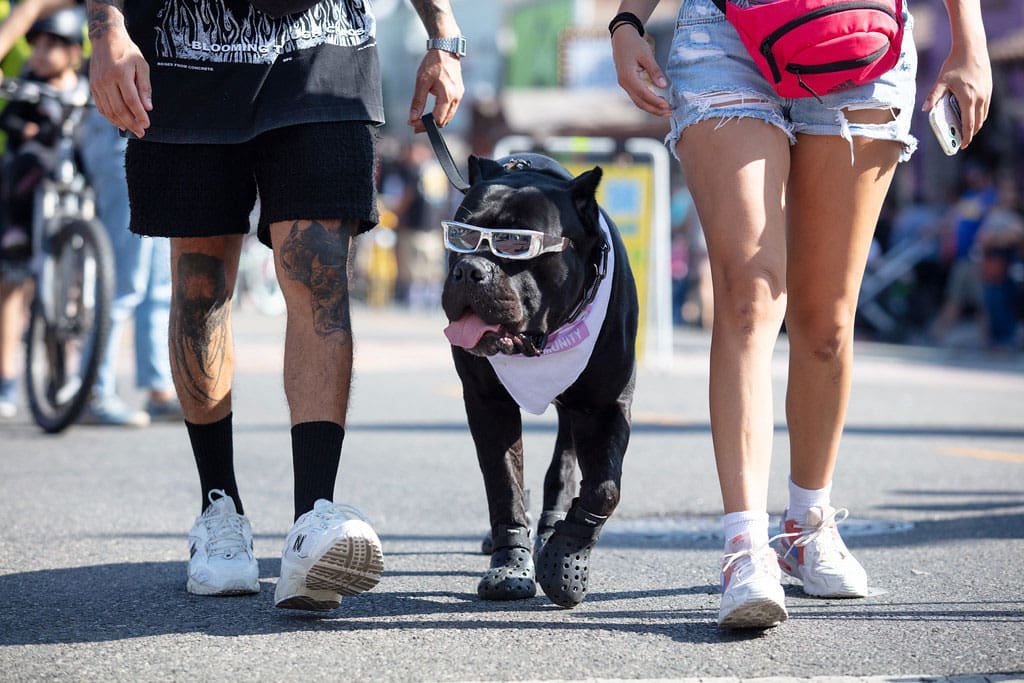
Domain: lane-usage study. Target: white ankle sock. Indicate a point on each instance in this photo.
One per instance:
(801, 500)
(743, 529)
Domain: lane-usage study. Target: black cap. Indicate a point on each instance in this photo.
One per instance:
(67, 24)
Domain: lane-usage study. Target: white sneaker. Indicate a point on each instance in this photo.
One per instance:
(752, 596)
(330, 551)
(220, 544)
(814, 552)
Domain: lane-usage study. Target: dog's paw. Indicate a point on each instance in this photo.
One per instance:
(563, 567)
(563, 562)
(545, 528)
(511, 576)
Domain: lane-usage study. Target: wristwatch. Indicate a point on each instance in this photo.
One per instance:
(454, 44)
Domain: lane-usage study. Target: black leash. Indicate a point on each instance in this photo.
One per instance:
(444, 156)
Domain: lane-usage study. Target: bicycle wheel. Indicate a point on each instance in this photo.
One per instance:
(69, 323)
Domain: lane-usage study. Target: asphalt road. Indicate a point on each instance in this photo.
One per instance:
(93, 551)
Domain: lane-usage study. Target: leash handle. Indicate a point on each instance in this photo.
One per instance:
(444, 156)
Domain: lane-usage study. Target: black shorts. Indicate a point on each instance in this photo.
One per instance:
(318, 171)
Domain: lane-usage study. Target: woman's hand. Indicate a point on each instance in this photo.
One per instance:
(637, 71)
(966, 73)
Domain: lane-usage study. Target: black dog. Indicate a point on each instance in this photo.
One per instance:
(528, 332)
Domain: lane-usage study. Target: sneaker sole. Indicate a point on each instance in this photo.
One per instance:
(846, 592)
(324, 601)
(759, 613)
(352, 565)
(236, 588)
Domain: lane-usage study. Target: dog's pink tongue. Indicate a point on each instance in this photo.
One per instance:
(467, 330)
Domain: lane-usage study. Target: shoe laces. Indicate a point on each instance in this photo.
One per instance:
(225, 530)
(824, 535)
(761, 556)
(327, 512)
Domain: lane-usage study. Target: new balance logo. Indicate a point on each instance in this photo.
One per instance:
(297, 545)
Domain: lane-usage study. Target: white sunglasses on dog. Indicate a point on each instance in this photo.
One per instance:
(505, 243)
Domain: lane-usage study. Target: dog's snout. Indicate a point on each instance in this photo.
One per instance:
(469, 271)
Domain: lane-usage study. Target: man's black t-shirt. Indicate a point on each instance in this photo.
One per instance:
(223, 72)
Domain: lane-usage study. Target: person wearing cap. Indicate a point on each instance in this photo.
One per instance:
(142, 289)
(32, 130)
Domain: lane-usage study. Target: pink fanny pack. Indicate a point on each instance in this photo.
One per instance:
(809, 48)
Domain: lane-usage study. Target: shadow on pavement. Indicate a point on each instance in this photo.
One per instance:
(650, 427)
(113, 602)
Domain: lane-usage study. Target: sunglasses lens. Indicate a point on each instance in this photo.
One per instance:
(510, 244)
(462, 238)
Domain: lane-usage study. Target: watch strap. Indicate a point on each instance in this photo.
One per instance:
(454, 44)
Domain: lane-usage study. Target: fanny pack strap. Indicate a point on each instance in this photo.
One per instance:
(444, 156)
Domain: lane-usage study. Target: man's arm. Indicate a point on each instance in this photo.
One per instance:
(440, 73)
(21, 18)
(118, 73)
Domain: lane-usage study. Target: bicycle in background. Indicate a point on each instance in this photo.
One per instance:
(70, 267)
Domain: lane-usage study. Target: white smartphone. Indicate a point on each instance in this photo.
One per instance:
(945, 121)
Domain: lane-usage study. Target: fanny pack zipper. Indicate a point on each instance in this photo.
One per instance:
(769, 42)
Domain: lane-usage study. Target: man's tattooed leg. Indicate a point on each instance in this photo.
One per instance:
(317, 257)
(200, 335)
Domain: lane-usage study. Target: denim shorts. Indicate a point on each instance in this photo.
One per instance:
(313, 171)
(712, 76)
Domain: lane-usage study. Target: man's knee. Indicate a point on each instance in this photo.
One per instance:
(313, 260)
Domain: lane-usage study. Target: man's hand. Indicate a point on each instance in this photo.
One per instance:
(440, 75)
(118, 73)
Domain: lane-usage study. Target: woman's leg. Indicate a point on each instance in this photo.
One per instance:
(737, 174)
(833, 207)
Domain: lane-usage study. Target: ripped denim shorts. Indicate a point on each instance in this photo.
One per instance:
(712, 76)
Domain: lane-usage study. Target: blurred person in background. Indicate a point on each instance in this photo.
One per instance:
(1001, 241)
(142, 271)
(32, 132)
(960, 253)
(420, 198)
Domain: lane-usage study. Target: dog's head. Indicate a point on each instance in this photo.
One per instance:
(497, 304)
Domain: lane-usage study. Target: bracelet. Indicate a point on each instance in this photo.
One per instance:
(626, 18)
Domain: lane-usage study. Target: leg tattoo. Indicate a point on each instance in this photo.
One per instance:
(316, 257)
(199, 326)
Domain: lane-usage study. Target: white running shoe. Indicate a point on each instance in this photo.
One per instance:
(814, 552)
(752, 596)
(330, 551)
(220, 544)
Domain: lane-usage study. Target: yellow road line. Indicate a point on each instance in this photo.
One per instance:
(982, 454)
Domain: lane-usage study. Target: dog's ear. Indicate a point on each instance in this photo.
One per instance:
(583, 189)
(481, 168)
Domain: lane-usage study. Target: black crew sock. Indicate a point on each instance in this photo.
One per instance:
(316, 452)
(215, 458)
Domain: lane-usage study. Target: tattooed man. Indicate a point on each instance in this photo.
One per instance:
(221, 99)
